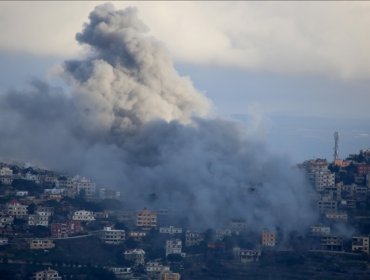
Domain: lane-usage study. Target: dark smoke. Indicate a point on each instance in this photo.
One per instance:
(130, 121)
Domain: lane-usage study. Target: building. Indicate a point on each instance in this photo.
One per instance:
(173, 246)
(62, 230)
(112, 236)
(246, 255)
(16, 209)
(268, 238)
(109, 194)
(37, 244)
(83, 215)
(193, 238)
(146, 219)
(319, 230)
(86, 186)
(121, 272)
(332, 243)
(49, 274)
(137, 256)
(155, 267)
(168, 275)
(323, 180)
(137, 235)
(360, 244)
(325, 205)
(337, 216)
(170, 230)
(21, 193)
(6, 175)
(4, 241)
(38, 220)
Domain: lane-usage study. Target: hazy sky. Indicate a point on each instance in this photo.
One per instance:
(293, 71)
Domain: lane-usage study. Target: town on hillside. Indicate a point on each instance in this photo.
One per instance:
(54, 226)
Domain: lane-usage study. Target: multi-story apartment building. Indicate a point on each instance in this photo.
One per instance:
(16, 209)
(86, 186)
(173, 246)
(193, 238)
(62, 230)
(137, 256)
(146, 219)
(49, 274)
(170, 230)
(38, 244)
(246, 255)
(83, 215)
(268, 238)
(319, 230)
(360, 244)
(38, 220)
(168, 275)
(112, 236)
(332, 243)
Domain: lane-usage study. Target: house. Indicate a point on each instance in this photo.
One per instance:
(146, 219)
(37, 244)
(360, 244)
(83, 215)
(173, 246)
(49, 274)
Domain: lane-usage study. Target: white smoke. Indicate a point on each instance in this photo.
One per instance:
(132, 122)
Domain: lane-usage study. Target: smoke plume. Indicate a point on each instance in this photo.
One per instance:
(130, 121)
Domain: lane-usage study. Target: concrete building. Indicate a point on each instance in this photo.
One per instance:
(246, 255)
(323, 180)
(49, 274)
(105, 193)
(268, 238)
(15, 209)
(325, 205)
(332, 243)
(137, 235)
(137, 256)
(168, 275)
(86, 186)
(121, 272)
(84, 216)
(62, 230)
(360, 244)
(336, 216)
(173, 246)
(4, 241)
(38, 244)
(170, 230)
(319, 230)
(155, 267)
(193, 238)
(38, 220)
(112, 236)
(146, 219)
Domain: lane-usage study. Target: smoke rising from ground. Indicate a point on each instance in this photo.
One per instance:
(130, 121)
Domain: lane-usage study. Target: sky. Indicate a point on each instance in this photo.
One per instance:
(293, 72)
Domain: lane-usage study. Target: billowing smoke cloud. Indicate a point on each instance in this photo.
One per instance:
(130, 121)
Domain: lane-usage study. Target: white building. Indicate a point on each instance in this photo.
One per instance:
(156, 267)
(137, 256)
(170, 230)
(6, 171)
(173, 246)
(121, 272)
(16, 209)
(193, 238)
(37, 220)
(4, 241)
(49, 274)
(86, 186)
(83, 215)
(112, 236)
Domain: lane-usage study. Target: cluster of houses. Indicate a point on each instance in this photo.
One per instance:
(341, 189)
